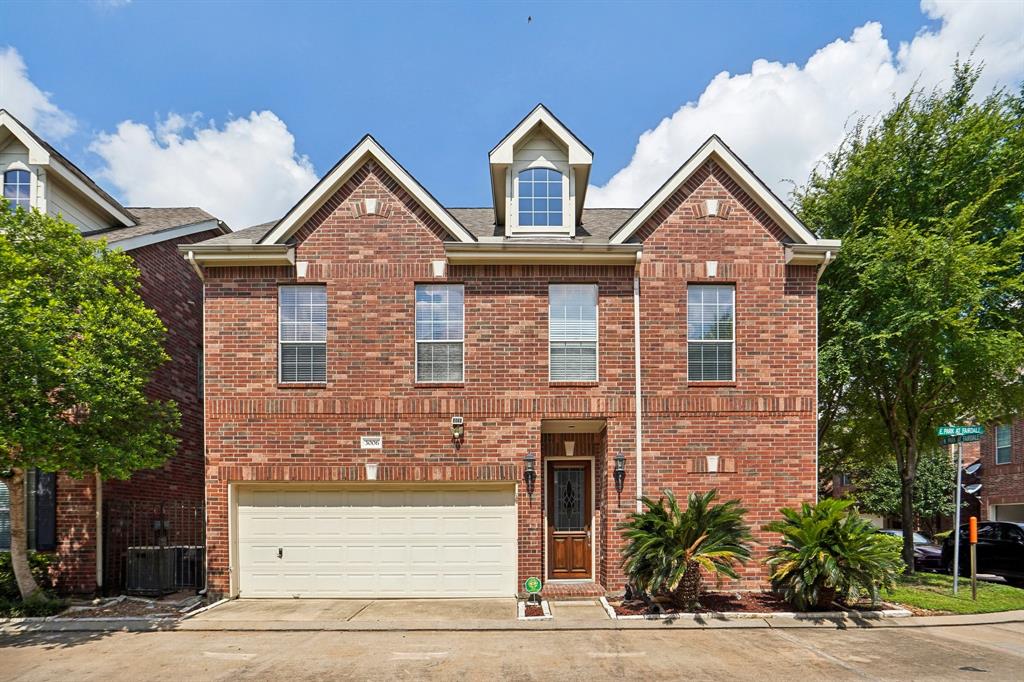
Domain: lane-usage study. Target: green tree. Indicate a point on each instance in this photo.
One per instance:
(921, 316)
(877, 489)
(79, 348)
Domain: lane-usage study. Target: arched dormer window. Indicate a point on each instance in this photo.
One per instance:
(540, 197)
(18, 188)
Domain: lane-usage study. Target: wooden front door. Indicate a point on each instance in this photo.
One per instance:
(569, 519)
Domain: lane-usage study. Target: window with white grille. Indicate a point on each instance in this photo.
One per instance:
(1004, 444)
(711, 332)
(572, 332)
(302, 327)
(439, 333)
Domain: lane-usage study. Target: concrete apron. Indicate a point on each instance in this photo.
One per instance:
(464, 615)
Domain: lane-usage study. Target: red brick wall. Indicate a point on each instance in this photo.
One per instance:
(763, 424)
(1001, 483)
(172, 288)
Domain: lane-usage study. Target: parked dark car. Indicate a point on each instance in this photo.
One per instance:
(1000, 551)
(927, 555)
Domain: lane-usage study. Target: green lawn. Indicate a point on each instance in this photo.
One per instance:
(934, 592)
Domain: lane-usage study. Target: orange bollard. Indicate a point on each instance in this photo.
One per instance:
(974, 530)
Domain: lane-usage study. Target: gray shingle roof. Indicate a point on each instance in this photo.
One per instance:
(153, 220)
(599, 224)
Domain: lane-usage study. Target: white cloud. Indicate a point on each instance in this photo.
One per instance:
(782, 118)
(245, 173)
(27, 102)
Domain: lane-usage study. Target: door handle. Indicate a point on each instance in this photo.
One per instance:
(280, 552)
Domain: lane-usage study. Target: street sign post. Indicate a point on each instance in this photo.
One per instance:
(958, 434)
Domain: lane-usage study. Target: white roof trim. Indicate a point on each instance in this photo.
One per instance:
(138, 242)
(38, 154)
(579, 154)
(715, 149)
(366, 149)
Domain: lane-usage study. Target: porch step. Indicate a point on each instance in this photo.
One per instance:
(573, 590)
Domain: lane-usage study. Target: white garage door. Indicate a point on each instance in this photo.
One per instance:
(377, 541)
(1009, 512)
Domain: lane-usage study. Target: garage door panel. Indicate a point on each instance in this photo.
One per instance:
(445, 541)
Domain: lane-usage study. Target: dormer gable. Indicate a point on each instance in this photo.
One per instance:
(539, 176)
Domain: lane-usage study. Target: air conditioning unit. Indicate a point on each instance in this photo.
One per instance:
(189, 566)
(150, 570)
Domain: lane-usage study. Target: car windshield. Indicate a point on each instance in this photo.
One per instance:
(918, 538)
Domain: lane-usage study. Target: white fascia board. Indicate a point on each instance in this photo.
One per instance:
(75, 182)
(822, 252)
(222, 255)
(716, 149)
(503, 153)
(37, 153)
(164, 235)
(337, 176)
(542, 254)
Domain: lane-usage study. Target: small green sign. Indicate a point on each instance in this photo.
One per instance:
(533, 585)
(961, 430)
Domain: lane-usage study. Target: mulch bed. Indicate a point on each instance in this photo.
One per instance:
(533, 610)
(122, 609)
(711, 602)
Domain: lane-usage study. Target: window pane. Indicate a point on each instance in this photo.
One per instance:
(1004, 444)
(573, 361)
(544, 187)
(573, 312)
(710, 332)
(439, 362)
(304, 362)
(709, 361)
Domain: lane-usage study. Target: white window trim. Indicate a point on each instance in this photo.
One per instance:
(416, 342)
(597, 335)
(568, 211)
(732, 379)
(1009, 444)
(280, 343)
(32, 190)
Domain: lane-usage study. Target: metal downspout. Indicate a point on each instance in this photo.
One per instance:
(638, 394)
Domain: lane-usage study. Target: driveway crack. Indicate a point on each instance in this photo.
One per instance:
(365, 606)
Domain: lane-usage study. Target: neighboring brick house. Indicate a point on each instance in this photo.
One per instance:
(63, 512)
(1002, 472)
(409, 400)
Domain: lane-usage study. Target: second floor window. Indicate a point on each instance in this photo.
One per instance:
(18, 188)
(439, 333)
(540, 198)
(710, 332)
(1004, 444)
(302, 327)
(572, 331)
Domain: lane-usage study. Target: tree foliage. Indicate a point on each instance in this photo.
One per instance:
(79, 348)
(921, 317)
(878, 490)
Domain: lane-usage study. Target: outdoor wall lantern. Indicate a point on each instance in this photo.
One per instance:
(458, 430)
(530, 472)
(620, 472)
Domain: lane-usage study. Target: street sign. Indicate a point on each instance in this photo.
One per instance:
(950, 440)
(533, 585)
(961, 430)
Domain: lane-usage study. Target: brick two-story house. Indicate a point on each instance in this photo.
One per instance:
(404, 399)
(66, 515)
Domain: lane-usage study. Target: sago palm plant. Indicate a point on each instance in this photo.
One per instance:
(668, 546)
(828, 551)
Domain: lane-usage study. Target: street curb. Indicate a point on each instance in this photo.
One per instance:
(838, 621)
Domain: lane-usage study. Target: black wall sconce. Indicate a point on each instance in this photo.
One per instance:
(620, 472)
(530, 472)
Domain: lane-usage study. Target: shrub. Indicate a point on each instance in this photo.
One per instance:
(38, 562)
(667, 546)
(827, 552)
(38, 605)
(941, 536)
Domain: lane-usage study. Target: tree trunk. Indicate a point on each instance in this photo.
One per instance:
(687, 592)
(907, 517)
(19, 534)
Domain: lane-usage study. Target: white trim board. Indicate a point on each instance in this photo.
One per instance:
(715, 149)
(368, 148)
(132, 243)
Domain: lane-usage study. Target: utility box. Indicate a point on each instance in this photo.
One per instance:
(151, 570)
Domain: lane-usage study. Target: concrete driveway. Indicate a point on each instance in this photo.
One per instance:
(975, 652)
(360, 610)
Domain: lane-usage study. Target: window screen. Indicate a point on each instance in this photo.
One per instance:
(303, 334)
(1004, 444)
(572, 329)
(710, 332)
(439, 332)
(540, 198)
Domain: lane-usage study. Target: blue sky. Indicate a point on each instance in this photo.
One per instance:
(437, 83)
